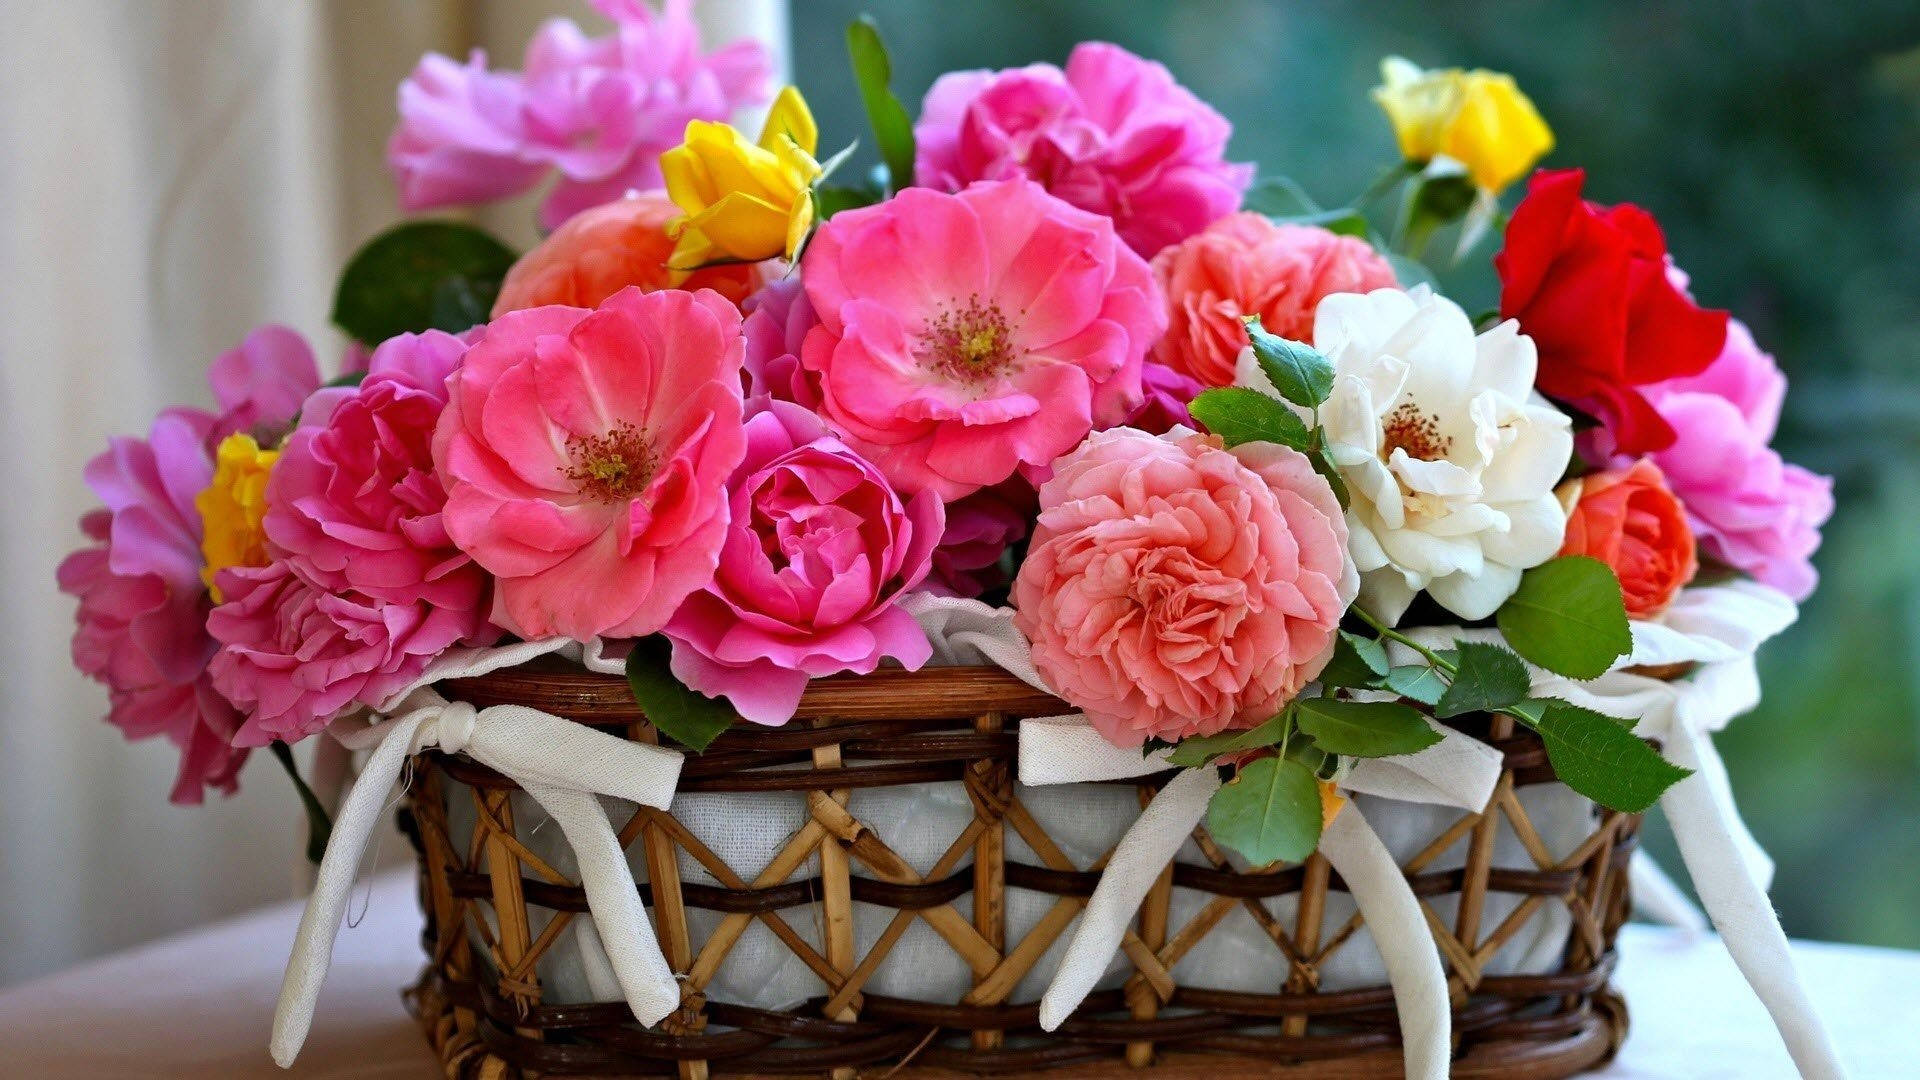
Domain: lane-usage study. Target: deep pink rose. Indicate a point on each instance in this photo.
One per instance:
(599, 110)
(1167, 393)
(778, 318)
(1174, 588)
(354, 502)
(819, 548)
(980, 528)
(1113, 133)
(261, 383)
(1748, 508)
(964, 337)
(295, 655)
(585, 457)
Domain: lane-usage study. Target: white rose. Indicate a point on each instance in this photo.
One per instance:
(1448, 453)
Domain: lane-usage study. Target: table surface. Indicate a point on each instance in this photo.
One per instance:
(200, 1005)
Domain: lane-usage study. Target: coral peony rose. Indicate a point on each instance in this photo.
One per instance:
(600, 251)
(964, 337)
(585, 457)
(778, 318)
(1244, 264)
(1174, 588)
(980, 529)
(819, 548)
(295, 655)
(1628, 519)
(597, 110)
(1113, 134)
(1589, 284)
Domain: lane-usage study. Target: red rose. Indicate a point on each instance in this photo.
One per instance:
(1589, 284)
(1630, 520)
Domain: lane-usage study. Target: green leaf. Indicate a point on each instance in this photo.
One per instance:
(830, 199)
(319, 825)
(1268, 812)
(1597, 757)
(1357, 661)
(1301, 374)
(1279, 197)
(1323, 464)
(1345, 221)
(1363, 728)
(1489, 679)
(1417, 682)
(686, 716)
(423, 275)
(1568, 617)
(1239, 415)
(872, 72)
(1204, 748)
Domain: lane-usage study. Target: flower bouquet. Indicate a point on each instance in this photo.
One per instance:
(1054, 598)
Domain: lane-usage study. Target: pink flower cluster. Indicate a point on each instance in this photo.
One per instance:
(597, 110)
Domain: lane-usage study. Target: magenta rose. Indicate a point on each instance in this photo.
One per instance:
(819, 548)
(965, 337)
(585, 456)
(1166, 393)
(1113, 134)
(295, 655)
(261, 384)
(777, 320)
(1174, 588)
(980, 528)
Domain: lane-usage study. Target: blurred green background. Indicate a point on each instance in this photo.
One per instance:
(1779, 145)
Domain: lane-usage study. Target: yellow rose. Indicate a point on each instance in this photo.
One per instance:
(742, 201)
(232, 506)
(1478, 118)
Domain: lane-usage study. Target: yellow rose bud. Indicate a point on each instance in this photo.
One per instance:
(1478, 118)
(742, 201)
(232, 506)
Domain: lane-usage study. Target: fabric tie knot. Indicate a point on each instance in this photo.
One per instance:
(457, 720)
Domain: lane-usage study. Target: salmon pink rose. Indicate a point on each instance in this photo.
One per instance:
(1244, 264)
(600, 251)
(965, 337)
(1175, 588)
(819, 548)
(585, 456)
(1629, 519)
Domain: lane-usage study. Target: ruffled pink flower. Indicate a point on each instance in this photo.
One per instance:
(1113, 133)
(1167, 395)
(819, 548)
(295, 655)
(585, 457)
(778, 318)
(354, 502)
(980, 529)
(599, 110)
(261, 383)
(1174, 588)
(1748, 508)
(1244, 264)
(964, 337)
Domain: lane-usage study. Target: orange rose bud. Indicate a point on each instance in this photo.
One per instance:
(600, 251)
(1630, 520)
(1331, 803)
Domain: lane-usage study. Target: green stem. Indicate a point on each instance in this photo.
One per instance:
(1388, 179)
(319, 825)
(1391, 634)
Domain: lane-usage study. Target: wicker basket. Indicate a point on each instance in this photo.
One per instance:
(481, 998)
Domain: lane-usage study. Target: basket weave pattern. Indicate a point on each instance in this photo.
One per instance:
(487, 1019)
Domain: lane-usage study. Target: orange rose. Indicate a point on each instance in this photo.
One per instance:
(1630, 520)
(600, 251)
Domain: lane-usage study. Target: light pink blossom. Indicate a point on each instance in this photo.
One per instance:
(1174, 588)
(1113, 133)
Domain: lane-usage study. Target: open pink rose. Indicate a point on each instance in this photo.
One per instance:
(964, 337)
(1113, 133)
(295, 655)
(1174, 588)
(585, 457)
(598, 110)
(1244, 264)
(819, 548)
(980, 528)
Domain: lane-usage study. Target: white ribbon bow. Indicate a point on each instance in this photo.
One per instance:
(563, 766)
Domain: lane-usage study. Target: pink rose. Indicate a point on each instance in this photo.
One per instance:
(778, 318)
(1174, 588)
(354, 502)
(294, 655)
(980, 528)
(819, 548)
(597, 110)
(261, 383)
(965, 337)
(1167, 395)
(1113, 133)
(1748, 508)
(585, 457)
(1245, 264)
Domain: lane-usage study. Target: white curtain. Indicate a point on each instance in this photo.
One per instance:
(172, 174)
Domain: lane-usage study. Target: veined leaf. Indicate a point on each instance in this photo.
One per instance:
(686, 716)
(873, 72)
(1268, 812)
(1595, 755)
(1357, 661)
(1239, 415)
(1197, 751)
(1568, 617)
(1298, 370)
(1417, 682)
(422, 275)
(1363, 728)
(1489, 679)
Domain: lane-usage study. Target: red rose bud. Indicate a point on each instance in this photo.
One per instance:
(1589, 284)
